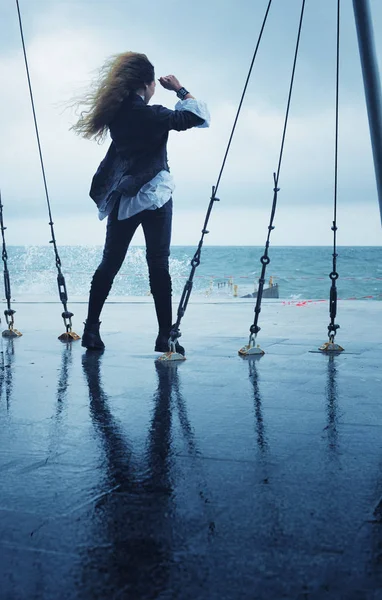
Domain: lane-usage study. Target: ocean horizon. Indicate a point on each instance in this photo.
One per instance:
(225, 271)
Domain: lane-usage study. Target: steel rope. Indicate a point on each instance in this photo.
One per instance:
(195, 262)
(265, 260)
(332, 327)
(9, 312)
(66, 315)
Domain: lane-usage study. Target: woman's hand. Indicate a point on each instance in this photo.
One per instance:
(170, 82)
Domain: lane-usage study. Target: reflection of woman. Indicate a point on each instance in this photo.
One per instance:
(133, 185)
(133, 549)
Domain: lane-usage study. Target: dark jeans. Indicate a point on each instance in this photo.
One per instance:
(157, 230)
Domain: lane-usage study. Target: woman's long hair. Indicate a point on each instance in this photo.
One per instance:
(120, 75)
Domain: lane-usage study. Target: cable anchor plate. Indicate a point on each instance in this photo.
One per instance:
(172, 355)
(330, 346)
(11, 332)
(69, 335)
(250, 349)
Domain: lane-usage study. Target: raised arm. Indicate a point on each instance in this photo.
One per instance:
(179, 120)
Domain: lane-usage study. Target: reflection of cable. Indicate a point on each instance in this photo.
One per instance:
(58, 427)
(63, 380)
(6, 366)
(267, 491)
(260, 427)
(189, 437)
(332, 404)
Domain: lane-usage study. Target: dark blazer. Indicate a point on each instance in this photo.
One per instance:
(138, 151)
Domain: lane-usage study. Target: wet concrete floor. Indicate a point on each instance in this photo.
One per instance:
(217, 479)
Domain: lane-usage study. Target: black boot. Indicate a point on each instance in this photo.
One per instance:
(91, 338)
(161, 344)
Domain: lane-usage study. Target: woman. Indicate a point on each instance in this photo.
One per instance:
(133, 185)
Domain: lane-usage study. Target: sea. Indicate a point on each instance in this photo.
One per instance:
(224, 272)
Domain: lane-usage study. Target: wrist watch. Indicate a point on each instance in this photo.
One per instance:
(182, 93)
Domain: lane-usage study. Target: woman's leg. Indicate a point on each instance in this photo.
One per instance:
(157, 229)
(118, 237)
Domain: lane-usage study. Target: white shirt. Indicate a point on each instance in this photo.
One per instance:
(159, 190)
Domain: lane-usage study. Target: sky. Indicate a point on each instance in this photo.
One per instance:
(209, 47)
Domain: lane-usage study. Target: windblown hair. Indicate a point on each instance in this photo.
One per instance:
(120, 75)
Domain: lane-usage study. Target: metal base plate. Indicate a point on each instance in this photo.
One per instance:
(331, 347)
(69, 336)
(248, 350)
(171, 357)
(11, 333)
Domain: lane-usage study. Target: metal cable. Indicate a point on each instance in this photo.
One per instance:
(265, 260)
(332, 327)
(66, 315)
(243, 94)
(7, 282)
(195, 262)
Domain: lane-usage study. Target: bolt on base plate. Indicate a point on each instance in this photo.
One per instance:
(11, 333)
(331, 347)
(69, 336)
